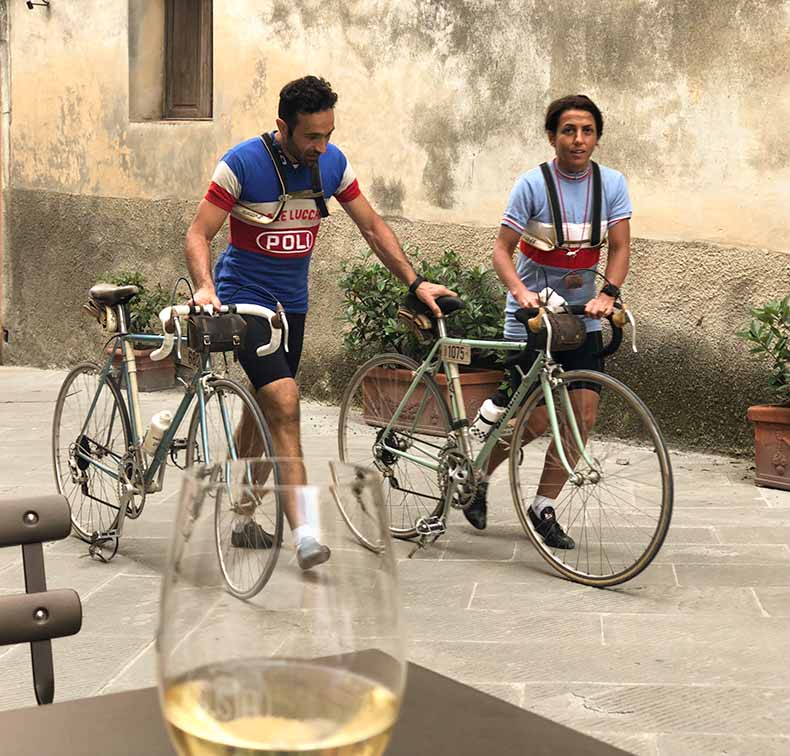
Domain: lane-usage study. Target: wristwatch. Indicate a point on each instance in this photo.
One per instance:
(611, 290)
(415, 283)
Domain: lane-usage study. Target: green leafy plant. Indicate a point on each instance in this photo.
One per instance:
(145, 307)
(769, 336)
(373, 295)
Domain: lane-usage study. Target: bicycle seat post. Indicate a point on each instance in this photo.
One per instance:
(452, 373)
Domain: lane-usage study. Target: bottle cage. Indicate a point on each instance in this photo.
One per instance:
(556, 209)
(316, 192)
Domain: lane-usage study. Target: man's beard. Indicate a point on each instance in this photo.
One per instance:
(296, 154)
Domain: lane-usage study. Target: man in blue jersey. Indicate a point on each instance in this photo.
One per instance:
(559, 248)
(267, 259)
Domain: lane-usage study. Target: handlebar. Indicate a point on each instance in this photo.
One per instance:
(534, 319)
(169, 317)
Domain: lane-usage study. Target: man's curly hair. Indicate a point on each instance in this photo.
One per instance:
(310, 94)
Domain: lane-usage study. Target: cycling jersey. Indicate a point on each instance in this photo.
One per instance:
(540, 263)
(268, 262)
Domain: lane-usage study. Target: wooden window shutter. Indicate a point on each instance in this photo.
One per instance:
(188, 59)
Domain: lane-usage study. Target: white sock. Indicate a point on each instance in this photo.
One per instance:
(302, 532)
(307, 505)
(541, 502)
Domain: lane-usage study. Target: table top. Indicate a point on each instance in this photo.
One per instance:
(439, 716)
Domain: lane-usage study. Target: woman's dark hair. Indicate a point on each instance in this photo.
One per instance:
(572, 102)
(310, 94)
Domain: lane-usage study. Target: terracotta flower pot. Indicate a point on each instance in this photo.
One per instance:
(771, 445)
(477, 386)
(151, 375)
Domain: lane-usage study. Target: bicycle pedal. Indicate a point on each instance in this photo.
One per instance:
(103, 547)
(430, 526)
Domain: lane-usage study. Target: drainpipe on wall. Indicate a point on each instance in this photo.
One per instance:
(5, 150)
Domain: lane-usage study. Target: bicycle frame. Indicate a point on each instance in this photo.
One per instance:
(152, 477)
(537, 372)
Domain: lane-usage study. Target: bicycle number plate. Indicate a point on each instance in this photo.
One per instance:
(458, 353)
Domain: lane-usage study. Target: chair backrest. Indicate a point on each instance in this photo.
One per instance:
(38, 615)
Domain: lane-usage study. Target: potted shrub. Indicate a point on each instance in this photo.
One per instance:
(769, 336)
(372, 298)
(143, 318)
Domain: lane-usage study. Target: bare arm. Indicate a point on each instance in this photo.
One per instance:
(207, 222)
(504, 246)
(617, 261)
(385, 245)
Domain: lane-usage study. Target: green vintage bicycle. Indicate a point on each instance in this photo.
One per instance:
(581, 436)
(105, 470)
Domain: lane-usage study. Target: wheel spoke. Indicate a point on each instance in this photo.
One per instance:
(617, 519)
(421, 430)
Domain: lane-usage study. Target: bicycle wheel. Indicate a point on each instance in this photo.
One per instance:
(77, 438)
(618, 506)
(411, 490)
(235, 429)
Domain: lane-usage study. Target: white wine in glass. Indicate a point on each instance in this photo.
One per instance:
(311, 664)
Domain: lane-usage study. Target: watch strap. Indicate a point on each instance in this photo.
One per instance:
(415, 283)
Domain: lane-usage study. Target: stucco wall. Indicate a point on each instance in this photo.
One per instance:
(440, 109)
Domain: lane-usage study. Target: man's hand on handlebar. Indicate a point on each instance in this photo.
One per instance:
(600, 307)
(427, 293)
(206, 295)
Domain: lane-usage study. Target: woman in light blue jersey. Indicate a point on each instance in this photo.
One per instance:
(555, 222)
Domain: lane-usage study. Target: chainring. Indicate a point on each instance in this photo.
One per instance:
(130, 476)
(455, 465)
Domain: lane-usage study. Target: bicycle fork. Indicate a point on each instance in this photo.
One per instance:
(576, 478)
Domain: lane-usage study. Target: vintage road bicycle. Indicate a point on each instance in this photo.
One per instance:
(583, 432)
(97, 435)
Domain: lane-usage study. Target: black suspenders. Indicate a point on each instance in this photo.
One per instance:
(316, 192)
(556, 209)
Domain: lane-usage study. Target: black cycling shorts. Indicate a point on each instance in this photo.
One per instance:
(583, 358)
(281, 364)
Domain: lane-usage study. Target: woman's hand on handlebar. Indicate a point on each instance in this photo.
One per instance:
(206, 295)
(601, 306)
(526, 298)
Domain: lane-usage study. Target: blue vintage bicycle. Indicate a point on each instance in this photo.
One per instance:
(105, 470)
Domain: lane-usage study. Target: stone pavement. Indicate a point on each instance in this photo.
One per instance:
(689, 658)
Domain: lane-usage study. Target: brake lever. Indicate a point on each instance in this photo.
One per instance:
(633, 329)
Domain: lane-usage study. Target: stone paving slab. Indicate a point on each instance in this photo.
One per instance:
(679, 602)
(722, 745)
(755, 574)
(624, 663)
(775, 602)
(703, 628)
(689, 658)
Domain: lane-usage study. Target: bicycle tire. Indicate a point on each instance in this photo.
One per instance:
(628, 508)
(93, 496)
(245, 569)
(368, 403)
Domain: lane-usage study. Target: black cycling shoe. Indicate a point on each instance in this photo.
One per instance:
(251, 536)
(549, 529)
(477, 510)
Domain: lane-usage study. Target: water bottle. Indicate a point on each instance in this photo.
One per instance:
(486, 419)
(160, 422)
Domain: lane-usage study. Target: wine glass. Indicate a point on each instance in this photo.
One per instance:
(313, 663)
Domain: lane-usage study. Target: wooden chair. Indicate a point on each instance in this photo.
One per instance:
(38, 615)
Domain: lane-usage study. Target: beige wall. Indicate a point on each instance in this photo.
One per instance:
(441, 99)
(441, 106)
